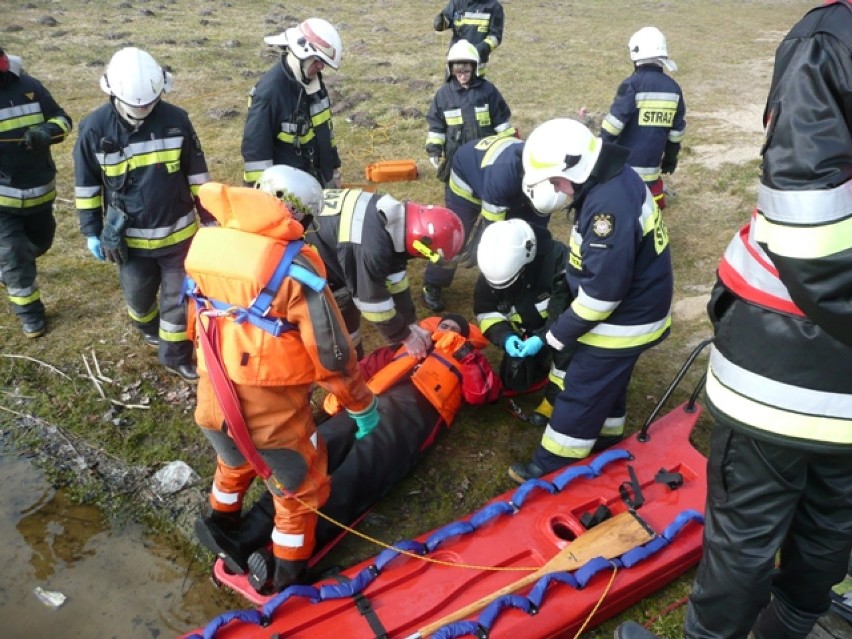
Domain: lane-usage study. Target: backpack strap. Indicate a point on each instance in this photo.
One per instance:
(258, 311)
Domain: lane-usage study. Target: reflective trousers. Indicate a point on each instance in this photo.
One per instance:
(147, 274)
(764, 497)
(25, 236)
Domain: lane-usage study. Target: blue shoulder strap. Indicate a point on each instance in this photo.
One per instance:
(257, 313)
(262, 302)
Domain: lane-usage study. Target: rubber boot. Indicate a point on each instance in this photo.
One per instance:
(777, 621)
(541, 414)
(433, 298)
(234, 540)
(268, 574)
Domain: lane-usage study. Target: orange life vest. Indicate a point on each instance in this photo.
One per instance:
(230, 265)
(438, 376)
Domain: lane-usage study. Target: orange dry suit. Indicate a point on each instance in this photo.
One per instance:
(453, 370)
(272, 355)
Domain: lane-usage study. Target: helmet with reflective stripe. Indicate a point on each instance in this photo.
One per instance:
(505, 248)
(462, 51)
(300, 191)
(314, 37)
(433, 232)
(560, 148)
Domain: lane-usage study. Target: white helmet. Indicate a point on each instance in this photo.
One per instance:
(300, 191)
(504, 249)
(136, 81)
(649, 45)
(560, 148)
(544, 196)
(314, 37)
(463, 51)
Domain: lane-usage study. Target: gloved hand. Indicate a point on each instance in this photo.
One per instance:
(440, 22)
(531, 346)
(36, 139)
(483, 50)
(95, 248)
(513, 346)
(669, 165)
(468, 254)
(435, 161)
(336, 180)
(366, 420)
(418, 341)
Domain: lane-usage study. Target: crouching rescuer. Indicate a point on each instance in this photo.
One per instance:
(267, 329)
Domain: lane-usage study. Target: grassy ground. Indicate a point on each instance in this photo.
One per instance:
(558, 55)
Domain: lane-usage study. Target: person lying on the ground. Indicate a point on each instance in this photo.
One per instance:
(417, 400)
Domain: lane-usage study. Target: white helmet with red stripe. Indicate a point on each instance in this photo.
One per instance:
(314, 37)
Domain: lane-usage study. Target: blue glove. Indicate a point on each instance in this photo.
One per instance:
(95, 248)
(531, 346)
(513, 346)
(366, 420)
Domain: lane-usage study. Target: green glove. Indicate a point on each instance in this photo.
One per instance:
(366, 420)
(37, 139)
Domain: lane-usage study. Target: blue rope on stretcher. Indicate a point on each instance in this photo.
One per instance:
(478, 519)
(577, 579)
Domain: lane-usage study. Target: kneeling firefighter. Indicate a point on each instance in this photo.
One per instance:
(416, 400)
(267, 330)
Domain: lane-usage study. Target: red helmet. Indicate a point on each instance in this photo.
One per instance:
(433, 232)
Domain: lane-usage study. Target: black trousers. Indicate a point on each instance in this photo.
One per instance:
(763, 498)
(24, 236)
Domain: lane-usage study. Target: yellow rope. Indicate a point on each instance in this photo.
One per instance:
(600, 601)
(407, 553)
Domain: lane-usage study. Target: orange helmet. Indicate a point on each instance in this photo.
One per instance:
(433, 232)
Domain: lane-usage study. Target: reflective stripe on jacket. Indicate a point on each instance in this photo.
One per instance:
(28, 176)
(782, 309)
(151, 173)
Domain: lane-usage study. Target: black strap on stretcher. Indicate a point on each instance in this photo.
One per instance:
(366, 609)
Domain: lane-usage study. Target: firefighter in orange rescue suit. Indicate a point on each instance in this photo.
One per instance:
(271, 357)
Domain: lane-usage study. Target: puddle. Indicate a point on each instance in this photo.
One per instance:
(117, 583)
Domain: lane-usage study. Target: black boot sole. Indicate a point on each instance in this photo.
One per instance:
(260, 565)
(208, 538)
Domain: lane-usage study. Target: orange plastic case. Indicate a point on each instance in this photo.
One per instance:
(392, 171)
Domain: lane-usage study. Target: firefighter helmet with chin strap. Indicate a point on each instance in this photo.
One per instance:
(136, 82)
(505, 248)
(300, 191)
(433, 232)
(561, 147)
(544, 196)
(314, 37)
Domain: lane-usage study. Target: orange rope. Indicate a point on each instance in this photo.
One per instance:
(600, 601)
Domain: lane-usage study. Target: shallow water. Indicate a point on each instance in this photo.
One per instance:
(118, 583)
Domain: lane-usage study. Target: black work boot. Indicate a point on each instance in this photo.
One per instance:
(542, 413)
(633, 630)
(524, 471)
(34, 327)
(186, 371)
(235, 543)
(433, 298)
(268, 574)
